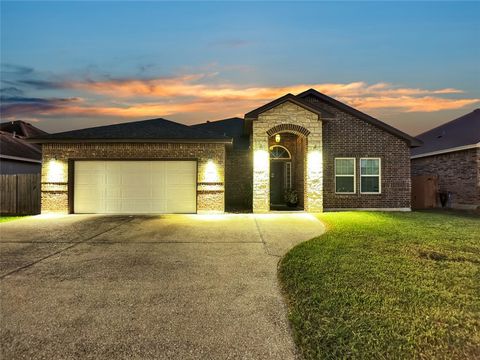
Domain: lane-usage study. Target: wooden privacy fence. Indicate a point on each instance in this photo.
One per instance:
(20, 194)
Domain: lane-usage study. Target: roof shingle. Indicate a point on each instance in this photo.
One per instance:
(147, 130)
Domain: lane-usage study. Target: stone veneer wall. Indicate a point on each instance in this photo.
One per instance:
(238, 180)
(287, 113)
(458, 172)
(347, 136)
(210, 196)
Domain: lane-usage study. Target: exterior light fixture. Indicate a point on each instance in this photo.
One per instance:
(277, 138)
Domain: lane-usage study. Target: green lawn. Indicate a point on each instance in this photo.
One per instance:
(9, 218)
(387, 286)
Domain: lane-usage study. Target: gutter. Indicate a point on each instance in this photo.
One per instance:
(445, 151)
(17, 158)
(228, 141)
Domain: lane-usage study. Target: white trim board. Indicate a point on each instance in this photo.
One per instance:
(444, 151)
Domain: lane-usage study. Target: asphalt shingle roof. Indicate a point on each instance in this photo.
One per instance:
(459, 132)
(21, 128)
(154, 129)
(232, 127)
(14, 146)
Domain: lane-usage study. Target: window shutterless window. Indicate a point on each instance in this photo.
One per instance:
(370, 176)
(345, 175)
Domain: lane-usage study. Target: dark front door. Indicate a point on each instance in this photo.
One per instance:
(277, 182)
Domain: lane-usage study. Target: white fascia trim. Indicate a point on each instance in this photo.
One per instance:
(20, 159)
(443, 151)
(367, 209)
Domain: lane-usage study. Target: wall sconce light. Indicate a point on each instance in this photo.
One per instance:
(211, 172)
(277, 138)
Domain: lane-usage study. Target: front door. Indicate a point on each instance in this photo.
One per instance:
(277, 182)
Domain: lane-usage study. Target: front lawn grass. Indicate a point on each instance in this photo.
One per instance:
(9, 218)
(387, 286)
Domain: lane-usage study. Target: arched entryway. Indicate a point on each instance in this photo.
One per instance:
(287, 117)
(287, 170)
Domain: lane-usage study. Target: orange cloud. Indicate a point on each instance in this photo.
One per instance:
(193, 94)
(411, 104)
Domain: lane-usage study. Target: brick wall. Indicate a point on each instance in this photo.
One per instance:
(347, 136)
(238, 180)
(210, 196)
(458, 172)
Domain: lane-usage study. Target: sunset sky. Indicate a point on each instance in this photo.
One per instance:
(71, 65)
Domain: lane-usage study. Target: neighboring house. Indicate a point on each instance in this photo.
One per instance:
(17, 156)
(451, 153)
(334, 156)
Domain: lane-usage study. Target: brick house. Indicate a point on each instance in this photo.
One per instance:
(451, 154)
(327, 153)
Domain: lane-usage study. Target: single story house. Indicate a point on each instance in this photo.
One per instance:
(451, 153)
(17, 156)
(332, 155)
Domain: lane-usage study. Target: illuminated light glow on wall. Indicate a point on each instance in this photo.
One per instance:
(261, 160)
(315, 163)
(211, 172)
(56, 171)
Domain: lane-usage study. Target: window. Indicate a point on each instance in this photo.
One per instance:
(345, 175)
(288, 175)
(370, 176)
(278, 152)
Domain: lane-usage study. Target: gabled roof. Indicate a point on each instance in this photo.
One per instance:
(21, 128)
(154, 130)
(461, 132)
(232, 127)
(16, 148)
(287, 98)
(367, 118)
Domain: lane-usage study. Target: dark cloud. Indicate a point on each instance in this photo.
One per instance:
(16, 69)
(43, 84)
(14, 106)
(11, 91)
(22, 99)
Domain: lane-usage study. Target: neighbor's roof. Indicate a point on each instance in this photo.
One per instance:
(453, 135)
(21, 128)
(16, 148)
(154, 130)
(365, 117)
(232, 127)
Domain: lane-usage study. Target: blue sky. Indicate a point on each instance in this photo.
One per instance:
(76, 64)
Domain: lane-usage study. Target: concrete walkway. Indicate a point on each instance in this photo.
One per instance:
(150, 287)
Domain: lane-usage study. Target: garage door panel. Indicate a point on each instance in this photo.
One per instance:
(87, 178)
(135, 192)
(135, 187)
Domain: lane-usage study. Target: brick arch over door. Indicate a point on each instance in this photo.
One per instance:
(295, 129)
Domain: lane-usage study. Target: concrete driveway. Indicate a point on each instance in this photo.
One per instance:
(149, 287)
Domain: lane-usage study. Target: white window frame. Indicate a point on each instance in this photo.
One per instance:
(354, 174)
(379, 176)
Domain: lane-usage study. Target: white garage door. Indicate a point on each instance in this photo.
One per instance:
(135, 187)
